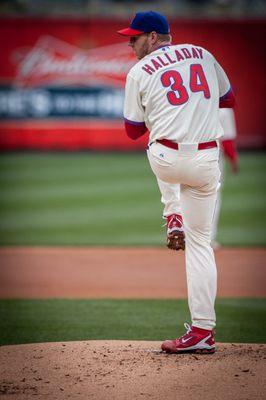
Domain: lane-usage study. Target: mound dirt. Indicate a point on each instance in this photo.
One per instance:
(127, 370)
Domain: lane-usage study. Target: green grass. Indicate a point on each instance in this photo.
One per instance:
(36, 321)
(112, 199)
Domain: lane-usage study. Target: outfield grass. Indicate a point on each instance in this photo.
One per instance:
(36, 321)
(112, 199)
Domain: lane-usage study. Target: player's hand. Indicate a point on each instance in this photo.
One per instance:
(230, 152)
(235, 167)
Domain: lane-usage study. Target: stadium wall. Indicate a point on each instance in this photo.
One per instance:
(61, 81)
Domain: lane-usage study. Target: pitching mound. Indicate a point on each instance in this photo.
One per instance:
(130, 370)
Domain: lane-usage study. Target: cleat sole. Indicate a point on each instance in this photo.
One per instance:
(194, 351)
(176, 241)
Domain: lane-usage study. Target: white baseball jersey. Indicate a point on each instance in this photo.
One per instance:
(175, 91)
(227, 119)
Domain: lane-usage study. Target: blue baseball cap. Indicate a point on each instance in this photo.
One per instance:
(146, 22)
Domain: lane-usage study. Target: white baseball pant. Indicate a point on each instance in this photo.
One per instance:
(170, 197)
(198, 173)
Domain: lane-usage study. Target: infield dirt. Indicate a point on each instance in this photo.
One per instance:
(72, 272)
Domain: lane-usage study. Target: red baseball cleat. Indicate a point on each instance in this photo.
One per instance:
(175, 232)
(195, 340)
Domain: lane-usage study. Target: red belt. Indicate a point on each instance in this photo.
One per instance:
(201, 146)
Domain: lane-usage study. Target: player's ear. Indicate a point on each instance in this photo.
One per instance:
(154, 37)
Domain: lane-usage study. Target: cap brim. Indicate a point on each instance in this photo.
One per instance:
(130, 32)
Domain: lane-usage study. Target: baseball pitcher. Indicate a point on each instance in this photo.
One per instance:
(175, 92)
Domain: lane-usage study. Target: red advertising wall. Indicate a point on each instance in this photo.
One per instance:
(61, 81)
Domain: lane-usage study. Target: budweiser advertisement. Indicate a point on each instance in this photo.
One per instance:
(62, 83)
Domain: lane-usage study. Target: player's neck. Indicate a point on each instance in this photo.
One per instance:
(158, 45)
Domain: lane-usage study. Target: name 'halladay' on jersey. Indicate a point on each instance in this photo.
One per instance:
(175, 91)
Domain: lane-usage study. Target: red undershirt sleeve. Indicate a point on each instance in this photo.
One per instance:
(228, 100)
(135, 130)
